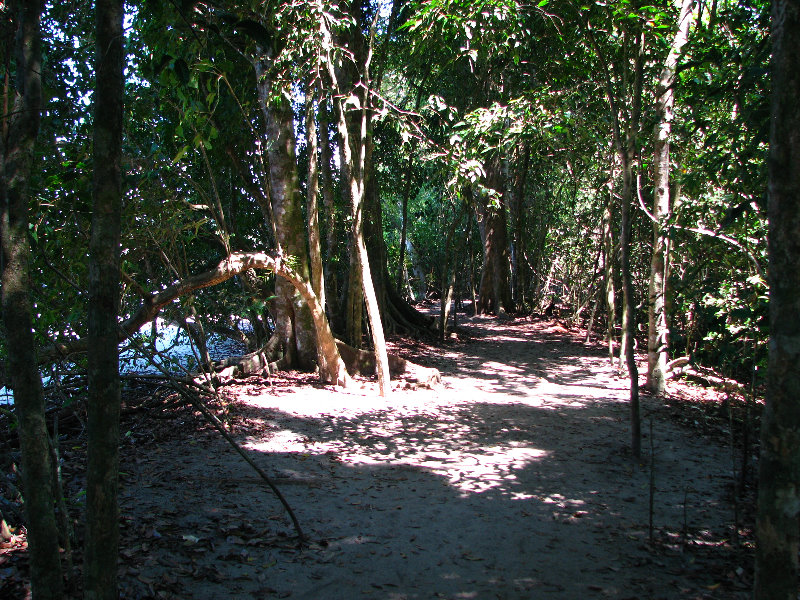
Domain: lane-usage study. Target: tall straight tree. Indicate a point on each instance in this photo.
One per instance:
(495, 286)
(658, 330)
(16, 159)
(777, 530)
(102, 511)
(356, 175)
(625, 103)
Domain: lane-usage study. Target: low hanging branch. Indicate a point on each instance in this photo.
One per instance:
(333, 371)
(704, 231)
(340, 361)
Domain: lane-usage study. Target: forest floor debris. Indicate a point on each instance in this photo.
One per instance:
(510, 479)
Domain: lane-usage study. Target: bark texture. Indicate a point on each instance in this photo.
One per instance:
(777, 530)
(293, 318)
(494, 293)
(354, 153)
(658, 331)
(102, 474)
(16, 161)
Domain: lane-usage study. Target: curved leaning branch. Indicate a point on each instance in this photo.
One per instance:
(333, 368)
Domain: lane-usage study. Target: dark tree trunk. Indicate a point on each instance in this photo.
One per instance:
(326, 173)
(401, 263)
(102, 511)
(494, 294)
(777, 530)
(16, 159)
(628, 312)
(609, 289)
(517, 220)
(625, 142)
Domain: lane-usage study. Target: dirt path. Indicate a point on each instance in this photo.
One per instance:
(512, 480)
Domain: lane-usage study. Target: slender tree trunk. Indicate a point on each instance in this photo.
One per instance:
(102, 473)
(626, 150)
(356, 168)
(777, 530)
(448, 274)
(517, 221)
(16, 160)
(658, 331)
(608, 272)
(628, 313)
(329, 211)
(401, 263)
(312, 212)
(419, 273)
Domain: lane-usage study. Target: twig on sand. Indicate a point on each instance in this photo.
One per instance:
(197, 402)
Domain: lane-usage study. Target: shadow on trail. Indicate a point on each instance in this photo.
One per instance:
(512, 481)
(515, 356)
(478, 500)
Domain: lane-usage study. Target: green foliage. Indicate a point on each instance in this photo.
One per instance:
(464, 85)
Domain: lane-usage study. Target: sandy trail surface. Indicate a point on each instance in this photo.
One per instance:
(512, 479)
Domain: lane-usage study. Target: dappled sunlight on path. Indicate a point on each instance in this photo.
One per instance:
(511, 479)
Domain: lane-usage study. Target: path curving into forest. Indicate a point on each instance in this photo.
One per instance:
(511, 480)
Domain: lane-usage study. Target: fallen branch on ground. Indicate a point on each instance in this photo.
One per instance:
(681, 367)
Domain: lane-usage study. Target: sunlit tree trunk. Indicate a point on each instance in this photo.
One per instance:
(312, 212)
(658, 331)
(355, 159)
(16, 160)
(102, 473)
(777, 530)
(293, 318)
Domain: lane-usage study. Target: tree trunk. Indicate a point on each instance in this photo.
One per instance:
(314, 242)
(517, 221)
(356, 171)
(625, 144)
(777, 529)
(401, 263)
(448, 274)
(494, 295)
(354, 302)
(608, 272)
(102, 472)
(16, 160)
(419, 272)
(329, 212)
(293, 318)
(658, 331)
(628, 313)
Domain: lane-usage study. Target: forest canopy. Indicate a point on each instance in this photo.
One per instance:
(486, 120)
